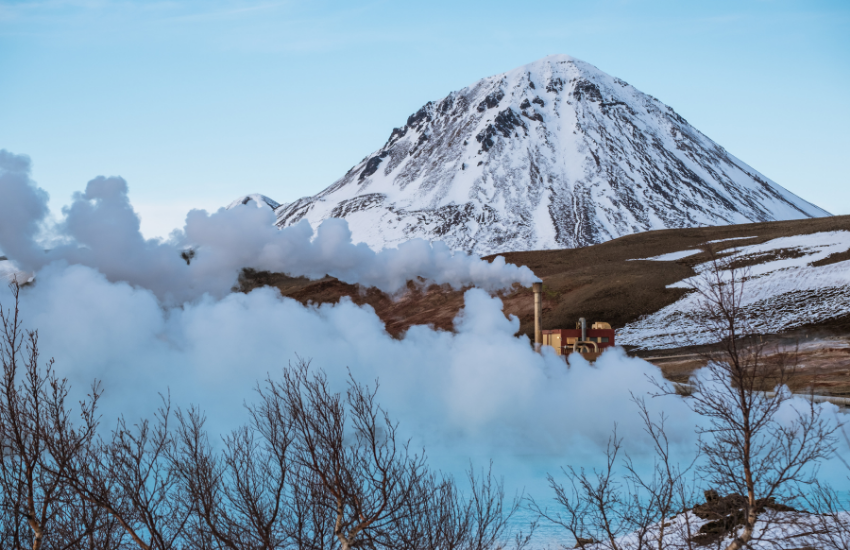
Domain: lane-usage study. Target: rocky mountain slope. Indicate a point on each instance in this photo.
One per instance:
(554, 154)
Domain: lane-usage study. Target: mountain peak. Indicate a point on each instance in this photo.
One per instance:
(259, 201)
(553, 154)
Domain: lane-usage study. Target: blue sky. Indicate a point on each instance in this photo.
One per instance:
(195, 103)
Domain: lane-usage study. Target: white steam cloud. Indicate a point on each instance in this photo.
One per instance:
(478, 392)
(110, 305)
(101, 230)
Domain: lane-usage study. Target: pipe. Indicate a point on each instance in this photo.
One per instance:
(583, 328)
(584, 347)
(538, 314)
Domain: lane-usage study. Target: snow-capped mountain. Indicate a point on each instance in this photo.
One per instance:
(554, 154)
(258, 199)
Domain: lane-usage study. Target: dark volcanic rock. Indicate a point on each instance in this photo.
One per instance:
(371, 167)
(491, 101)
(396, 135)
(423, 114)
(555, 85)
(587, 89)
(503, 124)
(726, 514)
(358, 204)
(533, 116)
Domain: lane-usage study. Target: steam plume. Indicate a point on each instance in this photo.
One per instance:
(101, 230)
(111, 305)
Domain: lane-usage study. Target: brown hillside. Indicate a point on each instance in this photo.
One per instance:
(605, 283)
(597, 282)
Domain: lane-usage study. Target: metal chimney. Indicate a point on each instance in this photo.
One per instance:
(538, 315)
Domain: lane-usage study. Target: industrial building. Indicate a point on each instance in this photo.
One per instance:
(589, 342)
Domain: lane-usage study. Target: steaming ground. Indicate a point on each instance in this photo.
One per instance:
(131, 312)
(474, 395)
(112, 306)
(479, 383)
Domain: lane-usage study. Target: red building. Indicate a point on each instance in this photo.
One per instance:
(565, 341)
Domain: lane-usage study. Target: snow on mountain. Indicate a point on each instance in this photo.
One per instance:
(259, 201)
(554, 154)
(790, 281)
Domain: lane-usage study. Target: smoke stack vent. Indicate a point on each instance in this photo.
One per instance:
(538, 314)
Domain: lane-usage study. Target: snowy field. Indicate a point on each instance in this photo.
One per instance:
(783, 290)
(671, 257)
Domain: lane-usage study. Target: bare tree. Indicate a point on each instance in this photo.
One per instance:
(602, 509)
(129, 477)
(488, 516)
(594, 508)
(245, 496)
(312, 470)
(663, 492)
(830, 518)
(368, 480)
(312, 527)
(748, 451)
(84, 526)
(829, 522)
(37, 511)
(366, 488)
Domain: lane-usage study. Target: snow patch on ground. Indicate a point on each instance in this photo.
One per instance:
(774, 531)
(729, 239)
(783, 290)
(669, 257)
